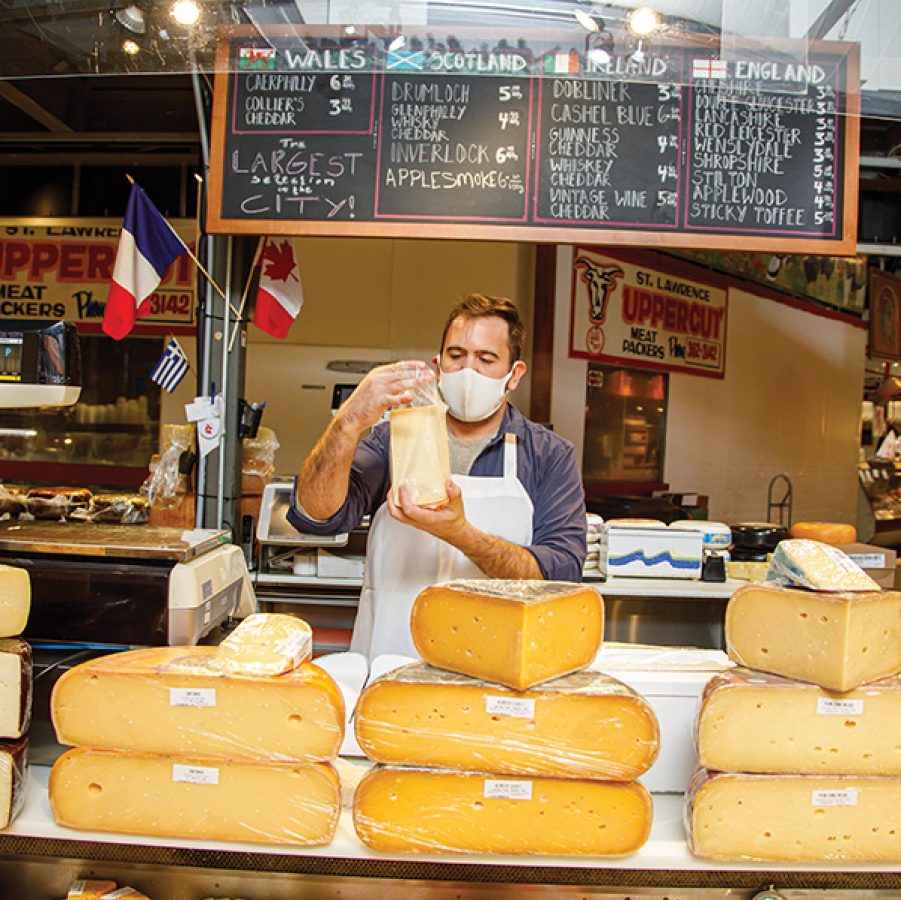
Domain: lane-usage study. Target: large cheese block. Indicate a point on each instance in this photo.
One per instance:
(838, 641)
(800, 728)
(403, 810)
(818, 566)
(89, 889)
(265, 644)
(12, 778)
(826, 532)
(15, 600)
(170, 700)
(582, 725)
(15, 687)
(515, 633)
(794, 818)
(195, 797)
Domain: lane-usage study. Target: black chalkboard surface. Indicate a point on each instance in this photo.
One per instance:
(533, 139)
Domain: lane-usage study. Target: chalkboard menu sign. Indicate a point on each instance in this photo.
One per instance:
(325, 133)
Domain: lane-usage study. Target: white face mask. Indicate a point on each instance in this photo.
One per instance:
(471, 396)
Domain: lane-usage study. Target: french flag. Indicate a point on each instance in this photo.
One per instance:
(148, 245)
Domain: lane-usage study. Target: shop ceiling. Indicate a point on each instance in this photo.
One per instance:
(70, 94)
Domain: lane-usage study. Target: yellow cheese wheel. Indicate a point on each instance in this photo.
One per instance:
(827, 532)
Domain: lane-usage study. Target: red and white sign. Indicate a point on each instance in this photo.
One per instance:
(645, 317)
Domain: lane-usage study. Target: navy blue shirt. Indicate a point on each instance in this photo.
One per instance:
(545, 464)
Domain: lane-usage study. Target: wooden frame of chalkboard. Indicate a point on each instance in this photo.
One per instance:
(487, 137)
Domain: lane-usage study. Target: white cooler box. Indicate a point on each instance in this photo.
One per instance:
(651, 552)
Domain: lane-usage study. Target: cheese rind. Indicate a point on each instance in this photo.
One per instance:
(582, 725)
(15, 687)
(15, 600)
(817, 566)
(195, 797)
(398, 810)
(515, 633)
(169, 700)
(265, 644)
(838, 641)
(794, 818)
(826, 532)
(12, 778)
(801, 729)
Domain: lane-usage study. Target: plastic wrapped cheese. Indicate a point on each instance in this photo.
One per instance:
(420, 454)
(265, 644)
(190, 796)
(408, 810)
(15, 687)
(13, 756)
(800, 728)
(794, 818)
(515, 633)
(15, 600)
(836, 640)
(170, 700)
(818, 566)
(827, 532)
(89, 889)
(582, 725)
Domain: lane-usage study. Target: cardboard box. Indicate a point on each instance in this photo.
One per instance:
(634, 551)
(334, 565)
(878, 562)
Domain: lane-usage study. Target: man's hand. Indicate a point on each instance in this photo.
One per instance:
(382, 388)
(447, 522)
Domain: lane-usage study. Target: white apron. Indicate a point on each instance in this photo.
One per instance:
(402, 560)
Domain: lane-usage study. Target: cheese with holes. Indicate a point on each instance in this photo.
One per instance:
(88, 889)
(515, 633)
(12, 778)
(838, 641)
(826, 532)
(15, 687)
(817, 566)
(265, 644)
(195, 797)
(398, 810)
(170, 700)
(798, 728)
(794, 818)
(15, 600)
(582, 725)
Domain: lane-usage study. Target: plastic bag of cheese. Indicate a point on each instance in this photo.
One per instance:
(265, 644)
(817, 566)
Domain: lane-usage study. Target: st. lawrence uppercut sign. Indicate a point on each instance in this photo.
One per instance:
(641, 316)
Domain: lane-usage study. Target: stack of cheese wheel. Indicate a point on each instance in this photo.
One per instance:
(229, 743)
(15, 689)
(499, 741)
(800, 750)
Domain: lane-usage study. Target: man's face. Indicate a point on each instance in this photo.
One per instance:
(479, 344)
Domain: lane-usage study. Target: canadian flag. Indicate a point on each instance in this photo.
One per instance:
(280, 294)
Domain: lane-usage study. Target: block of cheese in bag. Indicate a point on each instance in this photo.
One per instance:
(124, 893)
(406, 810)
(89, 889)
(265, 644)
(13, 756)
(794, 818)
(818, 566)
(838, 641)
(15, 600)
(515, 633)
(170, 700)
(192, 796)
(420, 454)
(15, 687)
(582, 725)
(799, 728)
(826, 532)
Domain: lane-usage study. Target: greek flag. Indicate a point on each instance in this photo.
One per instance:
(171, 368)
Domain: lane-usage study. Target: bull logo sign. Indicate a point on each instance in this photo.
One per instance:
(600, 281)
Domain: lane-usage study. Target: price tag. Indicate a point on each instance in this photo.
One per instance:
(511, 707)
(508, 790)
(296, 646)
(192, 696)
(868, 560)
(834, 798)
(195, 774)
(830, 706)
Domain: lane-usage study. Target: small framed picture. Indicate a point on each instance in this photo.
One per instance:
(885, 315)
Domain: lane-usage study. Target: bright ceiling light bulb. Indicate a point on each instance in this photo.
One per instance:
(186, 12)
(130, 47)
(397, 43)
(643, 21)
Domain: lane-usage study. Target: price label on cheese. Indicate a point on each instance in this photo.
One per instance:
(868, 560)
(295, 646)
(192, 696)
(835, 798)
(120, 894)
(508, 790)
(831, 706)
(195, 774)
(512, 707)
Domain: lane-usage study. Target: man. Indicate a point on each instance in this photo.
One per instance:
(516, 505)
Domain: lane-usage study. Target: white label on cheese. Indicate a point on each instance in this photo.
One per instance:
(512, 707)
(508, 790)
(829, 706)
(195, 774)
(121, 892)
(869, 560)
(835, 798)
(294, 646)
(192, 696)
(77, 888)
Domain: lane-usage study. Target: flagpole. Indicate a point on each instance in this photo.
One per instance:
(253, 265)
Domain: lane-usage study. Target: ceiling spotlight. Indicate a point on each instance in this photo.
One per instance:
(599, 56)
(185, 12)
(585, 20)
(397, 43)
(130, 47)
(349, 29)
(132, 18)
(643, 21)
